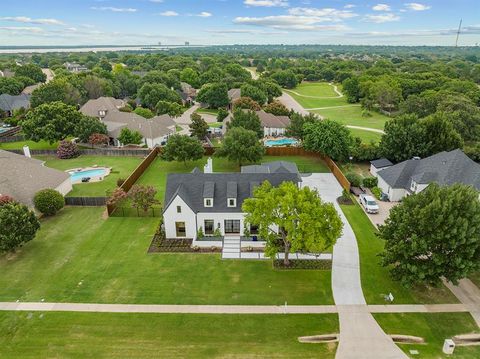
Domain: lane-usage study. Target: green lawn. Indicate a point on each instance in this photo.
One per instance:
(309, 102)
(376, 281)
(209, 111)
(318, 89)
(434, 328)
(216, 124)
(360, 168)
(366, 136)
(156, 174)
(78, 256)
(42, 145)
(113, 335)
(121, 168)
(353, 116)
(475, 278)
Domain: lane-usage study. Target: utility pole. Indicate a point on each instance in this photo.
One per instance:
(458, 33)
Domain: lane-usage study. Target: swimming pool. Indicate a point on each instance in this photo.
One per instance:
(94, 174)
(281, 142)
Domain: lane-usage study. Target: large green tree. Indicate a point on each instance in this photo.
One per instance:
(215, 95)
(328, 137)
(246, 119)
(129, 137)
(172, 109)
(297, 122)
(198, 127)
(18, 225)
(87, 126)
(182, 148)
(255, 93)
(51, 122)
(285, 78)
(433, 234)
(56, 90)
(292, 219)
(242, 146)
(32, 71)
(150, 94)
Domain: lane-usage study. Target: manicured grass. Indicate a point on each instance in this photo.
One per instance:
(309, 102)
(78, 256)
(434, 328)
(475, 278)
(42, 145)
(121, 168)
(360, 168)
(216, 124)
(366, 136)
(156, 174)
(352, 115)
(319, 89)
(113, 335)
(376, 280)
(210, 111)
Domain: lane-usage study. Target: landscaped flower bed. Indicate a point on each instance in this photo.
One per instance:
(180, 245)
(321, 264)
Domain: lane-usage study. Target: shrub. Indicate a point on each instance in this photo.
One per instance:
(370, 182)
(366, 113)
(125, 109)
(217, 233)
(120, 181)
(4, 199)
(67, 149)
(18, 225)
(354, 179)
(222, 114)
(48, 201)
(200, 233)
(377, 192)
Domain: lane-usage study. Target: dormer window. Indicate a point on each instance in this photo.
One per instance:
(413, 186)
(208, 202)
(231, 194)
(102, 113)
(232, 202)
(208, 193)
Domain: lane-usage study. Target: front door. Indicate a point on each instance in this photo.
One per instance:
(180, 229)
(232, 226)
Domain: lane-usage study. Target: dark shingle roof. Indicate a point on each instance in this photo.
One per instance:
(381, 163)
(272, 167)
(10, 103)
(189, 185)
(445, 168)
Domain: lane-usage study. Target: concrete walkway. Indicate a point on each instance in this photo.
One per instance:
(360, 335)
(469, 295)
(223, 309)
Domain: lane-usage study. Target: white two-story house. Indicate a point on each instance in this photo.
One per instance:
(213, 202)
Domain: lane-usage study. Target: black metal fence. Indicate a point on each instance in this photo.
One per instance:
(86, 201)
(125, 211)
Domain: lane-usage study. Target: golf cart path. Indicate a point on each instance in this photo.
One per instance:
(360, 335)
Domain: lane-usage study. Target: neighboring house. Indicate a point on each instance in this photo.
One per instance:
(273, 125)
(413, 176)
(7, 73)
(233, 95)
(29, 89)
(187, 93)
(9, 103)
(211, 201)
(22, 177)
(380, 164)
(155, 131)
(75, 67)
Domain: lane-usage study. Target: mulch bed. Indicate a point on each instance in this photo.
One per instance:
(344, 201)
(321, 264)
(182, 245)
(252, 250)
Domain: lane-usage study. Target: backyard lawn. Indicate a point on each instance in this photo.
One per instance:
(78, 256)
(42, 145)
(156, 174)
(113, 335)
(376, 281)
(121, 168)
(434, 328)
(209, 111)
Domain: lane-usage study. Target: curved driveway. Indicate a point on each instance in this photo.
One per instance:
(360, 335)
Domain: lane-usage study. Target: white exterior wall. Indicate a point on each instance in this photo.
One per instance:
(65, 187)
(271, 131)
(219, 218)
(170, 216)
(394, 194)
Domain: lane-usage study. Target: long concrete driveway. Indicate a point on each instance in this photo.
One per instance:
(360, 335)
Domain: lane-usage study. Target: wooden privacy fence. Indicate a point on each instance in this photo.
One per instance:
(120, 152)
(10, 132)
(86, 201)
(14, 138)
(135, 175)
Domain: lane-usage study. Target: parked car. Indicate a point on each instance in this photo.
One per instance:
(357, 191)
(369, 203)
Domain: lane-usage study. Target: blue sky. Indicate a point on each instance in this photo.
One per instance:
(84, 22)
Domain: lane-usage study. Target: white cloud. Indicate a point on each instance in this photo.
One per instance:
(381, 7)
(416, 6)
(28, 20)
(349, 6)
(289, 22)
(114, 9)
(322, 15)
(381, 18)
(266, 3)
(21, 29)
(168, 13)
(204, 14)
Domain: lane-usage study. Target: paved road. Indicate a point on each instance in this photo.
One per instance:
(360, 335)
(221, 309)
(291, 104)
(469, 295)
(184, 119)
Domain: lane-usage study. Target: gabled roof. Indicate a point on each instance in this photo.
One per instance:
(225, 185)
(234, 94)
(273, 121)
(381, 163)
(29, 89)
(272, 167)
(21, 177)
(10, 103)
(444, 168)
(152, 128)
(109, 104)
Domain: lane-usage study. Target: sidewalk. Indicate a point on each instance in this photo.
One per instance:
(469, 295)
